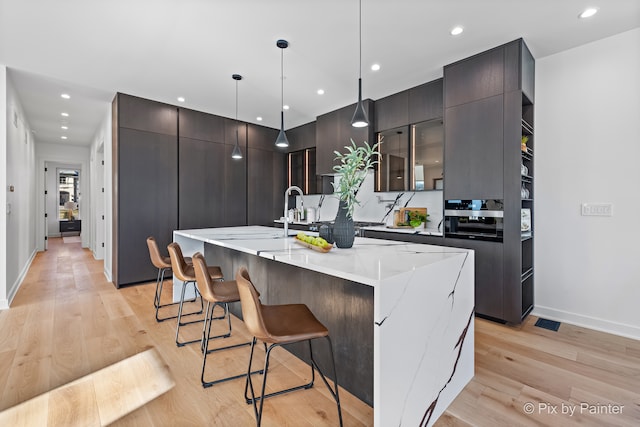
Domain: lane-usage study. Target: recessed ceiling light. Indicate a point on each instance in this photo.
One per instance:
(259, 118)
(180, 99)
(63, 137)
(588, 13)
(456, 30)
(64, 114)
(286, 107)
(65, 96)
(64, 127)
(320, 91)
(375, 67)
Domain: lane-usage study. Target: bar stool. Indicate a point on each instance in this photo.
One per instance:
(184, 272)
(277, 325)
(215, 293)
(162, 263)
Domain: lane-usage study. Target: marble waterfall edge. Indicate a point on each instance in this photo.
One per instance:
(432, 363)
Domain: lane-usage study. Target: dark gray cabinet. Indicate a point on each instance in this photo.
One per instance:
(145, 184)
(392, 111)
(473, 151)
(201, 183)
(488, 109)
(334, 132)
(266, 176)
(235, 175)
(172, 170)
(302, 137)
(426, 102)
(418, 104)
(212, 185)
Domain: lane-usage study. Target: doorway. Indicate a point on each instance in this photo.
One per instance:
(63, 200)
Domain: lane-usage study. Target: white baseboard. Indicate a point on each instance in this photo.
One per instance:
(107, 274)
(594, 323)
(16, 285)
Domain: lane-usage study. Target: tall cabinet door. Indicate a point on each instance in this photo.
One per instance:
(201, 183)
(474, 150)
(266, 176)
(235, 175)
(145, 176)
(147, 200)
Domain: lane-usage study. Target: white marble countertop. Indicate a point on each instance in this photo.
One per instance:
(369, 261)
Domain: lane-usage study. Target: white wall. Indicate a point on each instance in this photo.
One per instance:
(4, 119)
(587, 149)
(101, 203)
(20, 213)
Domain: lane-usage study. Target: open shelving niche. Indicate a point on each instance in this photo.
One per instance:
(527, 203)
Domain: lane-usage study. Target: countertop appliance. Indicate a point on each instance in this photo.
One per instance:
(480, 219)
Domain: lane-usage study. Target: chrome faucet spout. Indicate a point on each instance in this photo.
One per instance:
(287, 193)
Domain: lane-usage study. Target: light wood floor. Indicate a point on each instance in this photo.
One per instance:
(66, 321)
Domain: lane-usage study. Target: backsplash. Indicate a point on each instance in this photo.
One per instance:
(374, 206)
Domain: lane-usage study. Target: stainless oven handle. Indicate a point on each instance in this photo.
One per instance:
(470, 213)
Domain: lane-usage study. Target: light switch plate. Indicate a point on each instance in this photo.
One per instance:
(597, 209)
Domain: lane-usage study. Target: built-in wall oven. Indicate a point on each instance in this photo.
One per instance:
(474, 219)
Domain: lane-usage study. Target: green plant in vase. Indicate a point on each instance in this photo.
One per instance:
(352, 167)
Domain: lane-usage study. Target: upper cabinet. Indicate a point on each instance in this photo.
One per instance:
(392, 171)
(425, 102)
(392, 111)
(302, 137)
(427, 146)
(410, 131)
(334, 132)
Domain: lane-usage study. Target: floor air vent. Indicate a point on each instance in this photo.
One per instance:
(551, 325)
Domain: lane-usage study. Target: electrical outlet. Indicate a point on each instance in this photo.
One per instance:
(597, 209)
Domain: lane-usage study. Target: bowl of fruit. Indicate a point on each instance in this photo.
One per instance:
(316, 243)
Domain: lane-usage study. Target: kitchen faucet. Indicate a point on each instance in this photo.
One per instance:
(287, 193)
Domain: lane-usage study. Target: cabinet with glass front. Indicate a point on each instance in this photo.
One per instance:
(412, 158)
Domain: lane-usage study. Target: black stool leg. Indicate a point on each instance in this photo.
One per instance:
(206, 336)
(181, 323)
(156, 302)
(334, 391)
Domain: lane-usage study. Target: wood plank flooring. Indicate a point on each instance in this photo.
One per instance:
(66, 322)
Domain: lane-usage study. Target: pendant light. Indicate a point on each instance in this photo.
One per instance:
(360, 119)
(282, 140)
(237, 153)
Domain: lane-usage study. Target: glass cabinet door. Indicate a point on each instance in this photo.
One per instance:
(392, 172)
(427, 142)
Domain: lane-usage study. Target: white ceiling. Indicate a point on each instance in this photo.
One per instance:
(162, 49)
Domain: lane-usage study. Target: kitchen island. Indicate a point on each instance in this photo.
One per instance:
(400, 314)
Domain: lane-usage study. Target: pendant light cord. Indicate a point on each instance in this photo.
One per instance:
(236, 100)
(282, 80)
(360, 35)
